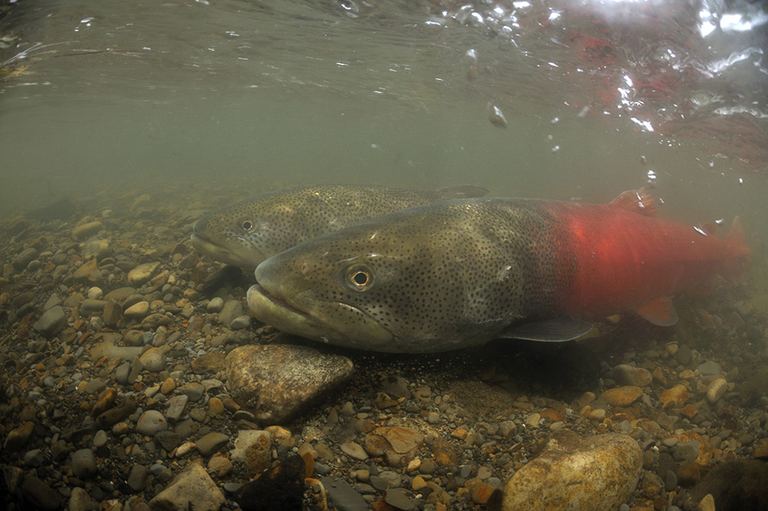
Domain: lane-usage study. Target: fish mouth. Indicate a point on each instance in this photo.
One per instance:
(284, 316)
(206, 246)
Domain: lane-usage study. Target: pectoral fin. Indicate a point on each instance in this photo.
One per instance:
(549, 330)
(660, 312)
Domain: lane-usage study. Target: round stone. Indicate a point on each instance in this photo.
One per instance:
(151, 422)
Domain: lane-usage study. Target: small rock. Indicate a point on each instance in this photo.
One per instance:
(112, 314)
(17, 438)
(597, 473)
(240, 322)
(142, 273)
(219, 465)
(215, 305)
(399, 499)
(153, 359)
(709, 368)
(231, 310)
(354, 450)
(40, 495)
(151, 422)
(24, 258)
(716, 389)
(674, 396)
(622, 396)
(192, 489)
(137, 478)
(343, 496)
(626, 374)
(707, 503)
(79, 500)
(83, 464)
(211, 442)
(193, 390)
(274, 381)
(137, 310)
(51, 322)
(253, 447)
(176, 406)
(83, 231)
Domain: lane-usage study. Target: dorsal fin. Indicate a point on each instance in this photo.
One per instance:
(640, 201)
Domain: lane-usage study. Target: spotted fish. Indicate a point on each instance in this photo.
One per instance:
(252, 230)
(461, 272)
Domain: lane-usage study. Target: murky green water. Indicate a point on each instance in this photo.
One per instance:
(259, 95)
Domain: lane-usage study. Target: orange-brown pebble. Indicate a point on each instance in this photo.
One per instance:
(761, 449)
(418, 483)
(552, 414)
(690, 411)
(280, 435)
(230, 404)
(461, 433)
(622, 396)
(215, 406)
(104, 402)
(481, 492)
(168, 386)
(674, 396)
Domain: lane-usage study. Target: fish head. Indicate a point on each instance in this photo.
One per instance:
(399, 284)
(246, 233)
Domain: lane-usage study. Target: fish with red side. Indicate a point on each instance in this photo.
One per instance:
(462, 272)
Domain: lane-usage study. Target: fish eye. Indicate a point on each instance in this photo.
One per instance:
(247, 225)
(359, 278)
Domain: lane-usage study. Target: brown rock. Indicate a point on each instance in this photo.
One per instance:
(598, 473)
(17, 438)
(209, 362)
(83, 231)
(674, 396)
(275, 381)
(87, 271)
(622, 396)
(112, 314)
(104, 402)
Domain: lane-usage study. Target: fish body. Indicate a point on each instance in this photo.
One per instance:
(459, 273)
(248, 232)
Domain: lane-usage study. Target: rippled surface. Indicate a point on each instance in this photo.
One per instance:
(547, 98)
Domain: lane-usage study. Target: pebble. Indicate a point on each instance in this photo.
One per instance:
(79, 500)
(709, 368)
(354, 450)
(230, 310)
(176, 406)
(18, 437)
(100, 439)
(137, 478)
(142, 273)
(211, 442)
(51, 322)
(40, 495)
(85, 230)
(343, 496)
(215, 304)
(151, 422)
(399, 499)
(626, 374)
(83, 463)
(622, 396)
(137, 310)
(191, 489)
(95, 293)
(716, 389)
(674, 396)
(252, 447)
(153, 359)
(275, 381)
(597, 473)
(240, 322)
(193, 390)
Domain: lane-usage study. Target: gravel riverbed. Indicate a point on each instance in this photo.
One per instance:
(132, 378)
